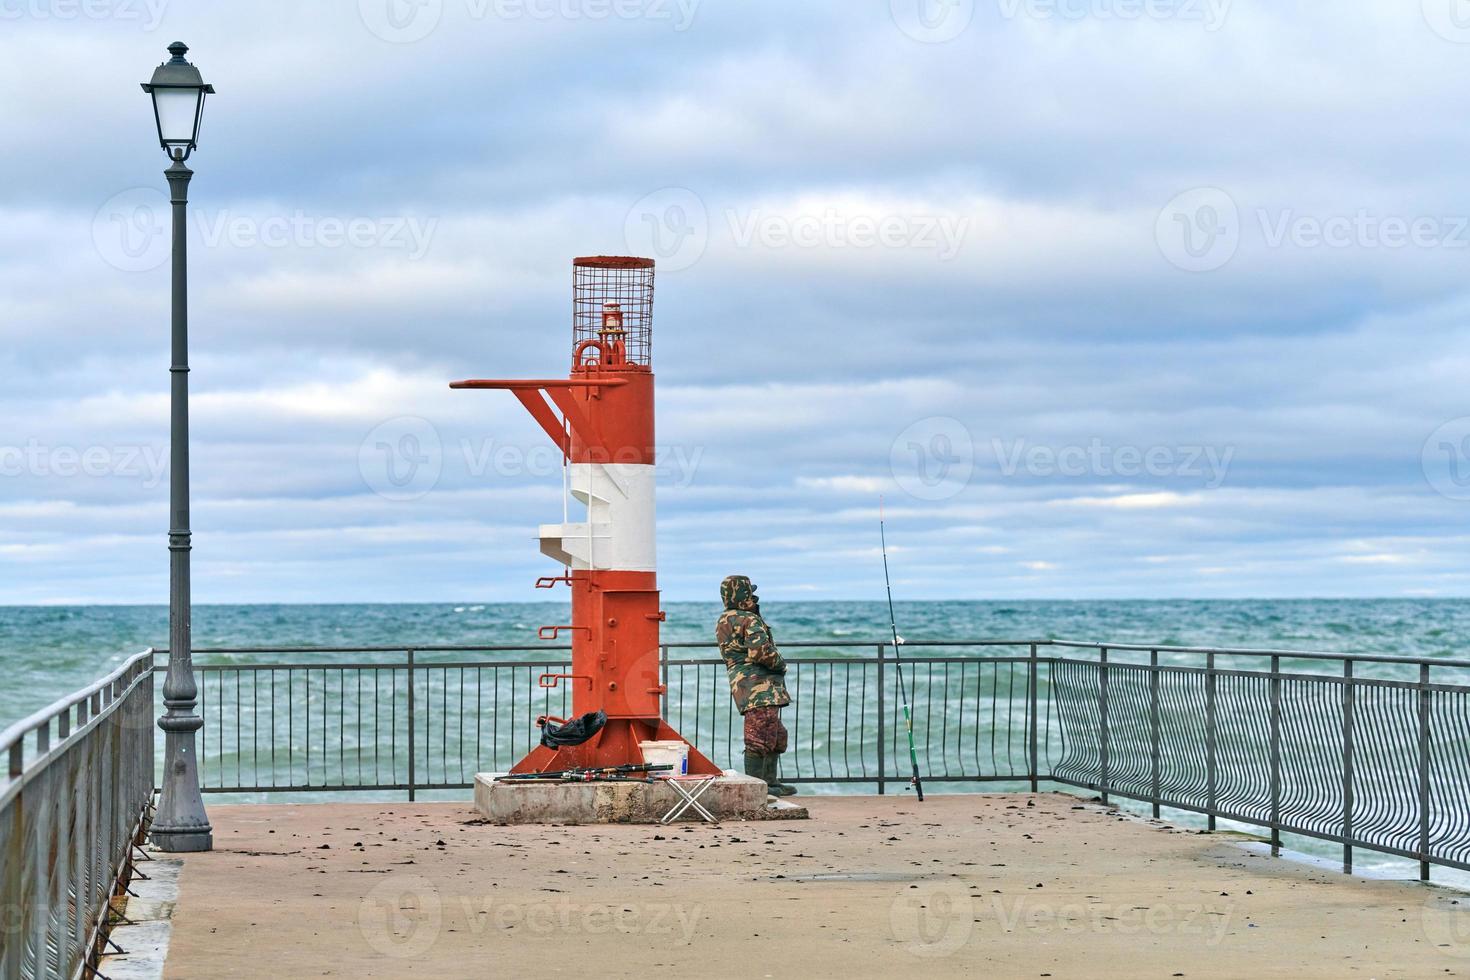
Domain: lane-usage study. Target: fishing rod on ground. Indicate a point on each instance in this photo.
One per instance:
(588, 773)
(908, 720)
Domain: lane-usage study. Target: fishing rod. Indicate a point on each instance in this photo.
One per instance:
(586, 777)
(586, 772)
(908, 719)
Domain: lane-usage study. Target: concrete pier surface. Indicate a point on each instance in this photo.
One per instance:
(974, 885)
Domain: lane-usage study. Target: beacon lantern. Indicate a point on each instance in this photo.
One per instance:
(601, 416)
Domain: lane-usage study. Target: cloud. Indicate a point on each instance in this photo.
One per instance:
(1131, 501)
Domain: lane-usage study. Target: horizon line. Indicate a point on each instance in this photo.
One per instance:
(163, 604)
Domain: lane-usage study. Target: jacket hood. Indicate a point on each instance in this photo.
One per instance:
(738, 592)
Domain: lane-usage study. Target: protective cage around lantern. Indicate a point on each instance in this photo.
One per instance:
(614, 291)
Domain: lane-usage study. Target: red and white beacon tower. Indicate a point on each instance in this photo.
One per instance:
(601, 416)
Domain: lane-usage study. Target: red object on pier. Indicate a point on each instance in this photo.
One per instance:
(601, 417)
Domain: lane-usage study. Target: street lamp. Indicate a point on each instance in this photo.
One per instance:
(178, 92)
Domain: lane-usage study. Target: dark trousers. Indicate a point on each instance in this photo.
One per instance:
(764, 733)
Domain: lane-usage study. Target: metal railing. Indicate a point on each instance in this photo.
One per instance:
(972, 715)
(431, 717)
(1364, 751)
(73, 803)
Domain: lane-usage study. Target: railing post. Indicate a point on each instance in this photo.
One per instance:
(1102, 697)
(1423, 772)
(882, 727)
(1348, 700)
(412, 762)
(1153, 721)
(43, 833)
(1275, 756)
(1035, 718)
(1212, 801)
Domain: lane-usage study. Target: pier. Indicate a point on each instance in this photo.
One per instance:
(962, 885)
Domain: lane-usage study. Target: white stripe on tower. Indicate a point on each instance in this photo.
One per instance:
(620, 534)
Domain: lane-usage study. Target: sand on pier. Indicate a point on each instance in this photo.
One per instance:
(964, 885)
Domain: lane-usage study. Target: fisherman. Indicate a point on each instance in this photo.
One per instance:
(757, 680)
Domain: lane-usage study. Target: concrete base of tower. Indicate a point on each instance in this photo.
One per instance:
(732, 797)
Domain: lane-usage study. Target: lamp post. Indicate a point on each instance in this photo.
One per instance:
(178, 92)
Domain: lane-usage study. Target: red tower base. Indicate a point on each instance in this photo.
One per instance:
(615, 745)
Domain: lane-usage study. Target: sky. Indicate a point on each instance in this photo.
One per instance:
(1105, 298)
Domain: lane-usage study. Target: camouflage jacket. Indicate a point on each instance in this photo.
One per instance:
(757, 672)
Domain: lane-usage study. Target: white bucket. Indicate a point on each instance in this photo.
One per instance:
(667, 753)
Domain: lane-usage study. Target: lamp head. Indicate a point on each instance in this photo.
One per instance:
(178, 92)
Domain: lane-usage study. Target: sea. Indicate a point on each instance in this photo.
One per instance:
(48, 651)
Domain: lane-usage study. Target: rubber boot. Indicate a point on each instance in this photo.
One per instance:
(773, 779)
(755, 765)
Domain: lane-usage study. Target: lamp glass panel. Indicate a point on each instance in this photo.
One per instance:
(177, 110)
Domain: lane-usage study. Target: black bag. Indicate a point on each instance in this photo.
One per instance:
(574, 732)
